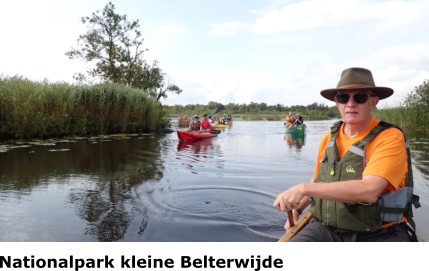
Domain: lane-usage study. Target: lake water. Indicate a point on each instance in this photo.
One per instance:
(155, 188)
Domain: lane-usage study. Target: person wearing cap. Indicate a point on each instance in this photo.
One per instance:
(195, 124)
(298, 119)
(206, 123)
(223, 119)
(362, 184)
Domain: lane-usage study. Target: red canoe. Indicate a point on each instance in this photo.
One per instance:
(183, 135)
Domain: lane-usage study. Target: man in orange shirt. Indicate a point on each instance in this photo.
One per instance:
(362, 167)
(290, 120)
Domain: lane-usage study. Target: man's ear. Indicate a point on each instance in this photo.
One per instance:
(335, 100)
(374, 102)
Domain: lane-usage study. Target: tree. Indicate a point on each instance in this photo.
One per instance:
(114, 44)
(152, 80)
(419, 97)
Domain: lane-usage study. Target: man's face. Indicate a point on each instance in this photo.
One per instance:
(355, 113)
(205, 117)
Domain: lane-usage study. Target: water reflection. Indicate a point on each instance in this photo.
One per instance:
(203, 146)
(420, 154)
(295, 141)
(200, 153)
(101, 179)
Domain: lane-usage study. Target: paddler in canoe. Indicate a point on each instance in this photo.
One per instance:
(290, 120)
(195, 125)
(362, 186)
(200, 126)
(298, 120)
(206, 123)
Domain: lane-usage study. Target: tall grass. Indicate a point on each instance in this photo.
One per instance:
(406, 118)
(42, 109)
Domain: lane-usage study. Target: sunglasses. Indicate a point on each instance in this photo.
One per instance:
(360, 98)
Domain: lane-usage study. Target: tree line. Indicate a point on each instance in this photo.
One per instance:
(311, 111)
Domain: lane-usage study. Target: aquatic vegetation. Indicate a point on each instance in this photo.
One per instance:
(41, 109)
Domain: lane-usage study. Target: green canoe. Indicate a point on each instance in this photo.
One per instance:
(300, 129)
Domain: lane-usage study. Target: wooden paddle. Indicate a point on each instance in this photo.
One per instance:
(303, 220)
(290, 218)
(291, 126)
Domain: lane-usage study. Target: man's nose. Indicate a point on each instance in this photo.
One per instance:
(351, 102)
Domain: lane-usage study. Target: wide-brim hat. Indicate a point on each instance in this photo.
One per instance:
(356, 78)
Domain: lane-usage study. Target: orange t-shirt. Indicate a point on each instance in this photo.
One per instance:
(386, 155)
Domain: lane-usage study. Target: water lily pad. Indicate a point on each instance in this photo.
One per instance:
(133, 135)
(413, 151)
(63, 149)
(53, 150)
(48, 144)
(80, 137)
(17, 146)
(126, 138)
(37, 143)
(94, 142)
(3, 150)
(63, 141)
(21, 143)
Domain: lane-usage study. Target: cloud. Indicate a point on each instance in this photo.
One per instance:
(162, 32)
(319, 13)
(226, 29)
(400, 67)
(156, 43)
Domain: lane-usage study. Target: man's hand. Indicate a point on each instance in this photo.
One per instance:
(289, 199)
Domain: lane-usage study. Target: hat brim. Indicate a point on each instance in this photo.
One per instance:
(382, 92)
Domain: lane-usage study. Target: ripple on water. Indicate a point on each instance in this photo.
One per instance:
(224, 205)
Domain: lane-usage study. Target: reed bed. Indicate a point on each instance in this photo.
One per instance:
(406, 118)
(42, 109)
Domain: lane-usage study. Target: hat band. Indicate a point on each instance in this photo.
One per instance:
(355, 86)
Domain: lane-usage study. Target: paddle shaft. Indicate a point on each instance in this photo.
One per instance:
(291, 125)
(290, 218)
(297, 227)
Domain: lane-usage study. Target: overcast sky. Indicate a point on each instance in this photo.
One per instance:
(235, 51)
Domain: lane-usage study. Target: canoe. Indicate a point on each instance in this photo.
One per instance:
(184, 135)
(300, 129)
(220, 126)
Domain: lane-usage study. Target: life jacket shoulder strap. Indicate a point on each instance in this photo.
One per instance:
(377, 129)
(335, 127)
